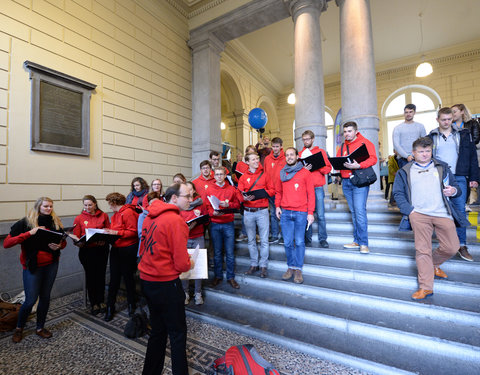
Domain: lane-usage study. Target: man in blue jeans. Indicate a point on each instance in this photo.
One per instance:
(356, 196)
(295, 203)
(456, 147)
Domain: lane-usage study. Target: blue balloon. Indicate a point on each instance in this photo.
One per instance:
(257, 118)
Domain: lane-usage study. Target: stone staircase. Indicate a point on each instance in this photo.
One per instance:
(355, 308)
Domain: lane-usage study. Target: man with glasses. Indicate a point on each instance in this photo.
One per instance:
(222, 225)
(205, 179)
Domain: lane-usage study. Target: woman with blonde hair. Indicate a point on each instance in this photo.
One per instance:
(39, 262)
(463, 119)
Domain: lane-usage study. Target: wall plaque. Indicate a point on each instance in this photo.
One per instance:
(60, 111)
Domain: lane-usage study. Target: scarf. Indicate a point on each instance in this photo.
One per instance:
(138, 194)
(197, 202)
(287, 172)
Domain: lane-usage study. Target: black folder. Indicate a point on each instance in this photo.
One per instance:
(203, 219)
(316, 160)
(98, 237)
(359, 155)
(43, 237)
(258, 194)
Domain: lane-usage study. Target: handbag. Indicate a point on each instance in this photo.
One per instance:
(362, 177)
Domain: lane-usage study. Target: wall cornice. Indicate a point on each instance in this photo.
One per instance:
(190, 11)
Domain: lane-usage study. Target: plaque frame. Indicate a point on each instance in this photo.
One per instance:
(39, 73)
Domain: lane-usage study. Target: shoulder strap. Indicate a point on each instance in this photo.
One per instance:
(258, 178)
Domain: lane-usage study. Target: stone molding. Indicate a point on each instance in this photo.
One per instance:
(205, 41)
(184, 9)
(296, 7)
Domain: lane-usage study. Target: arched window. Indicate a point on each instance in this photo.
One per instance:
(427, 102)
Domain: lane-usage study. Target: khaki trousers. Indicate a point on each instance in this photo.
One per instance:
(423, 227)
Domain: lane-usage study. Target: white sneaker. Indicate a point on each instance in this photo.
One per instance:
(187, 298)
(198, 299)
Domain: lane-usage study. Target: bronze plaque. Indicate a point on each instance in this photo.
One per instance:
(60, 116)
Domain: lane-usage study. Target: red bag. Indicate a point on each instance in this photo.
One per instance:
(242, 360)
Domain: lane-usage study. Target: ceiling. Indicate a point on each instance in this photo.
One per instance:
(396, 33)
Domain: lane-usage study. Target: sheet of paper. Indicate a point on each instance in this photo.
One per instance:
(306, 153)
(200, 270)
(89, 232)
(214, 201)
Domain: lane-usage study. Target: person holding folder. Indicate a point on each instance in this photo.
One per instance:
(39, 262)
(356, 196)
(93, 256)
(256, 212)
(318, 177)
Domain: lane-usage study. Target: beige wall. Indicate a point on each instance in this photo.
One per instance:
(136, 54)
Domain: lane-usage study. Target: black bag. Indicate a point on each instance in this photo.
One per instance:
(363, 177)
(137, 325)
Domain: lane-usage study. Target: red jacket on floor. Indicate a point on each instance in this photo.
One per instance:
(125, 222)
(352, 146)
(163, 251)
(318, 176)
(226, 192)
(265, 182)
(297, 194)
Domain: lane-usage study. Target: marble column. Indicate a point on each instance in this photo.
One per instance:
(206, 100)
(357, 68)
(309, 91)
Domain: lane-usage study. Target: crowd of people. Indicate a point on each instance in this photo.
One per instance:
(153, 228)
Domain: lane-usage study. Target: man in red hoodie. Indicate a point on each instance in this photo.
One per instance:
(222, 226)
(273, 163)
(295, 202)
(163, 257)
(318, 176)
(256, 212)
(356, 196)
(205, 179)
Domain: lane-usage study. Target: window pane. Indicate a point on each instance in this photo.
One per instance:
(328, 119)
(396, 106)
(390, 126)
(429, 120)
(422, 101)
(329, 145)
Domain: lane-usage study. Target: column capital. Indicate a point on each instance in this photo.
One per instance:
(203, 41)
(297, 7)
(339, 2)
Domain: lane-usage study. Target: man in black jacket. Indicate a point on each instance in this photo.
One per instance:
(455, 147)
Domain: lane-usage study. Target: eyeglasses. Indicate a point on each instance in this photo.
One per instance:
(156, 184)
(184, 195)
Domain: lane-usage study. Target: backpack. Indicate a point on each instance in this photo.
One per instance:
(242, 360)
(8, 315)
(137, 325)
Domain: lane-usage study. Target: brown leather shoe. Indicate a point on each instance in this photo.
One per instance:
(288, 275)
(251, 270)
(215, 282)
(422, 294)
(464, 254)
(233, 284)
(439, 273)
(17, 335)
(44, 333)
(298, 279)
(263, 272)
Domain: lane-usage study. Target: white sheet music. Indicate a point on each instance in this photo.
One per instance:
(200, 270)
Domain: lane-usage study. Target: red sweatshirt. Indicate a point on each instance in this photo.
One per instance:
(297, 194)
(202, 184)
(318, 176)
(273, 164)
(225, 192)
(352, 146)
(265, 182)
(98, 220)
(163, 251)
(241, 167)
(125, 222)
(198, 230)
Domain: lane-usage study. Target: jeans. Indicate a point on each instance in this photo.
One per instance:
(252, 221)
(320, 212)
(459, 204)
(94, 261)
(37, 285)
(223, 237)
(274, 230)
(192, 244)
(357, 202)
(167, 317)
(123, 262)
(293, 225)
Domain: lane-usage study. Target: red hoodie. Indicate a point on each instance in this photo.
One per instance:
(163, 251)
(187, 215)
(265, 182)
(202, 184)
(318, 176)
(297, 194)
(98, 220)
(125, 222)
(352, 146)
(241, 167)
(227, 191)
(273, 164)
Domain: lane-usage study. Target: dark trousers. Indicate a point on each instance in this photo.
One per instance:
(37, 285)
(94, 262)
(167, 317)
(123, 263)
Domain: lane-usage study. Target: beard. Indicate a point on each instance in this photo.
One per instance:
(292, 162)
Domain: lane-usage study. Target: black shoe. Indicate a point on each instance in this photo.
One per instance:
(324, 244)
(95, 310)
(103, 308)
(281, 241)
(131, 309)
(308, 243)
(273, 240)
(109, 313)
